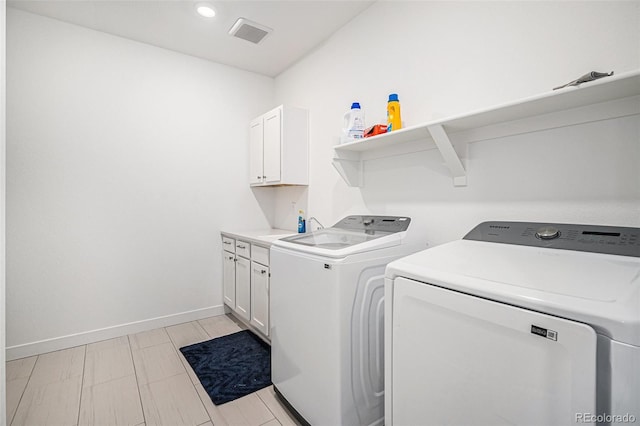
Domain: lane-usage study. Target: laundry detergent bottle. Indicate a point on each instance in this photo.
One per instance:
(394, 122)
(354, 122)
(302, 223)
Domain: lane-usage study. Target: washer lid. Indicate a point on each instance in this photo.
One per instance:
(602, 290)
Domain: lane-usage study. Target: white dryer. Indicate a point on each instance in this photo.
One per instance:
(518, 323)
(327, 324)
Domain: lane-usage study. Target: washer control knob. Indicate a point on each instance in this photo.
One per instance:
(547, 233)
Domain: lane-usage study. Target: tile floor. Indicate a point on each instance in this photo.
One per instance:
(140, 379)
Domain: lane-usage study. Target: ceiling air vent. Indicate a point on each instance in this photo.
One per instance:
(249, 30)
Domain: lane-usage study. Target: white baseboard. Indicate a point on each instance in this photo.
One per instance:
(64, 342)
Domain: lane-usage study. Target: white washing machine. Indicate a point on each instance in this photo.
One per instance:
(518, 323)
(327, 323)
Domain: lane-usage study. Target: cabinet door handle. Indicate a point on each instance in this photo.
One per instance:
(261, 271)
(230, 257)
(259, 177)
(242, 247)
(226, 242)
(264, 177)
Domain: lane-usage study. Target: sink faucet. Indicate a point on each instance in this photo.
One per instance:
(320, 226)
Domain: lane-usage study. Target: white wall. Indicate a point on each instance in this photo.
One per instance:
(448, 58)
(124, 161)
(3, 400)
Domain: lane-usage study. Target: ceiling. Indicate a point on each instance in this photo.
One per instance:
(298, 26)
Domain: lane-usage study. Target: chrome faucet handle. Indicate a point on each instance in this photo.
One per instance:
(317, 221)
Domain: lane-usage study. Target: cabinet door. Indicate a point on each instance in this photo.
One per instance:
(256, 174)
(272, 138)
(229, 278)
(243, 288)
(260, 297)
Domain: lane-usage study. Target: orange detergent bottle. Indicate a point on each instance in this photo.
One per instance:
(394, 122)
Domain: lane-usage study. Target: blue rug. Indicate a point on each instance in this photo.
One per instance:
(232, 366)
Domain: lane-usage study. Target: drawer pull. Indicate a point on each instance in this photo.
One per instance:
(242, 247)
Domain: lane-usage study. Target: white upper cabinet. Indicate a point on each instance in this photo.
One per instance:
(255, 152)
(279, 148)
(272, 146)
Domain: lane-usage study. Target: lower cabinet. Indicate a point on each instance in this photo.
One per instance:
(246, 282)
(229, 278)
(243, 287)
(260, 297)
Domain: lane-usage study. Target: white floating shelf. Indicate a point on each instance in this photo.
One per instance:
(609, 97)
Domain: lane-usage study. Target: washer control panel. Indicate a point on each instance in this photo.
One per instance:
(591, 238)
(374, 223)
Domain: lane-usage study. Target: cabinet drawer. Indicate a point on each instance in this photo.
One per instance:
(243, 249)
(260, 254)
(228, 244)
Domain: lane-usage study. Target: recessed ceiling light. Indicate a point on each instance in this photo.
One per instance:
(206, 10)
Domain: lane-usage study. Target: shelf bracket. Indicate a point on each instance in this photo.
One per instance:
(350, 168)
(449, 154)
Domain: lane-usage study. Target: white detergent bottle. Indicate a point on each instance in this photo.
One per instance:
(353, 123)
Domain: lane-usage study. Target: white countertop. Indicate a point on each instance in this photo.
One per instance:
(259, 236)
